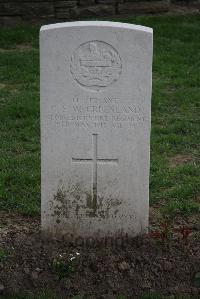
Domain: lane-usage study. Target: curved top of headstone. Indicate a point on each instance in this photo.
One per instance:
(97, 24)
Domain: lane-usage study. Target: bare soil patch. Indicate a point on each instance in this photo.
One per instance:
(132, 267)
(180, 159)
(18, 48)
(2, 86)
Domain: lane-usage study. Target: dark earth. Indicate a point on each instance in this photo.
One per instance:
(165, 261)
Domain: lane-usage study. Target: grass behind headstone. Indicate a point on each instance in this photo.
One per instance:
(175, 140)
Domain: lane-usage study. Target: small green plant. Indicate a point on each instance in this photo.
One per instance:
(64, 264)
(3, 254)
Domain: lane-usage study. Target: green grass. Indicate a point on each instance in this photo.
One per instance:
(175, 115)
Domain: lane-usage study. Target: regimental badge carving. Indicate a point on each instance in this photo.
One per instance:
(96, 65)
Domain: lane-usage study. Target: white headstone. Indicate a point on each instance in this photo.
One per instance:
(95, 128)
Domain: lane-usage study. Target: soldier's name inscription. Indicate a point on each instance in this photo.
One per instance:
(96, 112)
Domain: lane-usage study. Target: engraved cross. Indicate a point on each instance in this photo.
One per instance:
(95, 160)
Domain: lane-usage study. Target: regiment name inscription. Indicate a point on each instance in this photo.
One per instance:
(97, 112)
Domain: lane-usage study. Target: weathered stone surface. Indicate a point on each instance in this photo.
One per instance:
(28, 8)
(10, 20)
(86, 2)
(106, 1)
(40, 10)
(24, 1)
(66, 4)
(110, 1)
(63, 13)
(95, 128)
(1, 288)
(143, 7)
(43, 9)
(96, 10)
(9, 9)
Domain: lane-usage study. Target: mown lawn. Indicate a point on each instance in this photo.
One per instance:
(175, 141)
